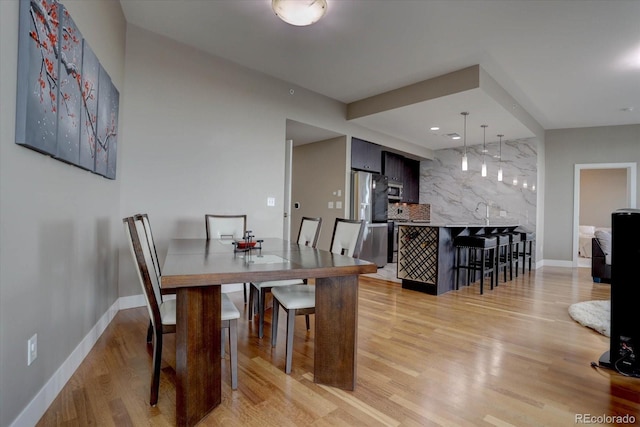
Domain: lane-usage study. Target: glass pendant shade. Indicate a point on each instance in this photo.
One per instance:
(500, 159)
(299, 12)
(484, 150)
(465, 163)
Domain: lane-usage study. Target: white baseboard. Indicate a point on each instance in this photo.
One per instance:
(555, 263)
(32, 413)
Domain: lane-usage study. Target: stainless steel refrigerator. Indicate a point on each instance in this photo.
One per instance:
(369, 202)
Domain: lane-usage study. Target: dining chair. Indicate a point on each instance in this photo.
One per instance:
(154, 257)
(307, 236)
(227, 227)
(301, 299)
(163, 312)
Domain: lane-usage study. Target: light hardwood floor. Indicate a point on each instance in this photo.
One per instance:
(512, 356)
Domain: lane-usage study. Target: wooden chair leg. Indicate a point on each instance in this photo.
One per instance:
(291, 321)
(222, 337)
(274, 322)
(149, 332)
(244, 288)
(250, 308)
(261, 309)
(233, 352)
(155, 375)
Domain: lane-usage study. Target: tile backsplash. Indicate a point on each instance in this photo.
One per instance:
(409, 212)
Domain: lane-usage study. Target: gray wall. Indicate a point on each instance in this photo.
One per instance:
(203, 135)
(564, 149)
(60, 227)
(318, 173)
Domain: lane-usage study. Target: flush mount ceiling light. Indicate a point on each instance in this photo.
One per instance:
(465, 164)
(299, 12)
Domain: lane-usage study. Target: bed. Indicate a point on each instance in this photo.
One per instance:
(586, 233)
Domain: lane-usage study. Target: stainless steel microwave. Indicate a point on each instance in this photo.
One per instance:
(394, 192)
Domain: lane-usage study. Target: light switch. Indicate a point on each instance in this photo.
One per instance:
(271, 201)
(330, 205)
(339, 193)
(338, 205)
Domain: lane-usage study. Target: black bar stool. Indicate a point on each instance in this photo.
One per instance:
(503, 253)
(485, 246)
(515, 239)
(527, 250)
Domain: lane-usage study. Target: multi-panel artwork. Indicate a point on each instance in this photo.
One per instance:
(67, 106)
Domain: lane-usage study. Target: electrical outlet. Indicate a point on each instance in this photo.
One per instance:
(32, 350)
(338, 205)
(271, 201)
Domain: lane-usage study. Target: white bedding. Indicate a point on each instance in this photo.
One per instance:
(587, 232)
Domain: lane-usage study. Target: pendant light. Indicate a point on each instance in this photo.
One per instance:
(500, 159)
(465, 164)
(484, 150)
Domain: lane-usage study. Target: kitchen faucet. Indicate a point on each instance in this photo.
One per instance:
(487, 205)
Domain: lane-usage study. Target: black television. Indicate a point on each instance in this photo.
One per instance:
(624, 343)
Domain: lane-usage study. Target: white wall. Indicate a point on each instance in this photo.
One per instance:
(59, 227)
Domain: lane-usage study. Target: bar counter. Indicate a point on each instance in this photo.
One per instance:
(426, 253)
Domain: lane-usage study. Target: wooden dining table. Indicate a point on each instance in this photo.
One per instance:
(195, 268)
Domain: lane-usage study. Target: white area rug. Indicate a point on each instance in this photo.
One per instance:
(593, 314)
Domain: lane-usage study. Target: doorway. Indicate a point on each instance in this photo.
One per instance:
(590, 181)
(297, 134)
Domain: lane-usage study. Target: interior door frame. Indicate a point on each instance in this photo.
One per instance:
(288, 170)
(631, 194)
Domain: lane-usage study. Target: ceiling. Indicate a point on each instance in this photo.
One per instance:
(566, 63)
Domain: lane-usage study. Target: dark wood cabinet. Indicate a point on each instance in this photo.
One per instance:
(411, 182)
(403, 170)
(366, 156)
(393, 166)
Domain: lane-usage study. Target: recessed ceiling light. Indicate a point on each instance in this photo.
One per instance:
(453, 136)
(435, 128)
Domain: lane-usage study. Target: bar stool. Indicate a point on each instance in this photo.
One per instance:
(514, 251)
(503, 253)
(527, 249)
(485, 246)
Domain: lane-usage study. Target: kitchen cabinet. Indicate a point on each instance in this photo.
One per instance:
(366, 156)
(403, 170)
(411, 190)
(393, 166)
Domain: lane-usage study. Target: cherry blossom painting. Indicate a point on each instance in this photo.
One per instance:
(67, 106)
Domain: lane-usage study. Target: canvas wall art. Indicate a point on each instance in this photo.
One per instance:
(67, 106)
